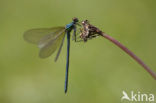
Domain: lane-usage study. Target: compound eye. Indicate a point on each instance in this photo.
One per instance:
(75, 19)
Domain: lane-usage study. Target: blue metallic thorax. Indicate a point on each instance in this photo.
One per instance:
(69, 26)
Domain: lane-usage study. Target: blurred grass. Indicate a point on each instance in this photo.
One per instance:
(99, 71)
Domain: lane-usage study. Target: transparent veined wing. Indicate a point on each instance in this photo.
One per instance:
(47, 39)
(49, 45)
(58, 53)
(35, 35)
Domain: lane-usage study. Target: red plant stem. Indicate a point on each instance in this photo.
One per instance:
(137, 59)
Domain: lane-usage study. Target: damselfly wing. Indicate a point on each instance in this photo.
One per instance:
(47, 39)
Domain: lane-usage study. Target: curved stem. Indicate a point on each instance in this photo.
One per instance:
(137, 59)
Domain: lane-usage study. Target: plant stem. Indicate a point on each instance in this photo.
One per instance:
(130, 53)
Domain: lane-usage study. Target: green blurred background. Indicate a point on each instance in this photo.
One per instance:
(99, 71)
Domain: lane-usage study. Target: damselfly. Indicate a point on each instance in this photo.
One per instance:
(49, 39)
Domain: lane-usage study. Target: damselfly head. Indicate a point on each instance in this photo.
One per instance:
(75, 19)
